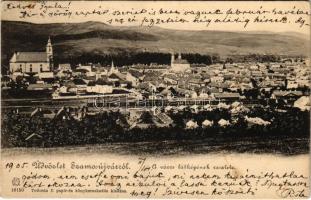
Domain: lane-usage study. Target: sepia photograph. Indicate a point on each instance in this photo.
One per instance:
(159, 81)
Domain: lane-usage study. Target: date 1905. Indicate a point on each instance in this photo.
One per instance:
(10, 165)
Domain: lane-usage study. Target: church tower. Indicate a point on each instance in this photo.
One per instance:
(179, 56)
(113, 69)
(112, 66)
(49, 53)
(172, 58)
(49, 49)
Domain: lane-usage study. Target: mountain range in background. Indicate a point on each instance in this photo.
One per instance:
(71, 40)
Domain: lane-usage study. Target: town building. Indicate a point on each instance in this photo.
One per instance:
(113, 69)
(179, 64)
(33, 62)
(64, 67)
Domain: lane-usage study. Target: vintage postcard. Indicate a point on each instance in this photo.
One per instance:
(155, 99)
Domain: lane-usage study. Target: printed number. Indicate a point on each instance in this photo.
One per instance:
(17, 189)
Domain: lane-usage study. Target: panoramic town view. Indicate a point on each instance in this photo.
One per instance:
(166, 101)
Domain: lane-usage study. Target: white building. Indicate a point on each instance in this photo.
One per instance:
(64, 67)
(33, 62)
(217, 79)
(100, 89)
(179, 64)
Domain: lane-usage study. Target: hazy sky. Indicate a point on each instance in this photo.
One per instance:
(297, 11)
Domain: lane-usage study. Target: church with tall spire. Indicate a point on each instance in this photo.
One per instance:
(33, 62)
(112, 69)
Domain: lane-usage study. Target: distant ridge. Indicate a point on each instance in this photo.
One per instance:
(72, 39)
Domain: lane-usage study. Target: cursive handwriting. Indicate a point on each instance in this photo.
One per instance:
(146, 179)
(165, 16)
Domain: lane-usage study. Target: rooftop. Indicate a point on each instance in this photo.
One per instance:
(30, 57)
(180, 61)
(227, 95)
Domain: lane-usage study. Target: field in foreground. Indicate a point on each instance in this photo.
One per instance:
(270, 145)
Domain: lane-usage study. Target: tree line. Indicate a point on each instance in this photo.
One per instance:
(130, 58)
(286, 128)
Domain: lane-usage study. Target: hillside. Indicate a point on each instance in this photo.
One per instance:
(71, 40)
